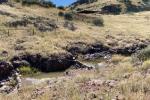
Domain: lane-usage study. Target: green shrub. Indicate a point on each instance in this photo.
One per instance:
(43, 3)
(27, 70)
(144, 54)
(146, 65)
(29, 2)
(98, 22)
(68, 16)
(61, 14)
(17, 0)
(61, 7)
(85, 1)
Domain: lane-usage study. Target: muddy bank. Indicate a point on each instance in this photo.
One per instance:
(55, 62)
(63, 61)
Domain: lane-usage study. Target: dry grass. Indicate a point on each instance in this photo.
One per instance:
(123, 29)
(132, 84)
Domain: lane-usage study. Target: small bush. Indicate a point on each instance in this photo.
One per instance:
(98, 22)
(146, 65)
(70, 26)
(144, 54)
(17, 0)
(61, 14)
(68, 16)
(43, 3)
(29, 2)
(27, 70)
(61, 7)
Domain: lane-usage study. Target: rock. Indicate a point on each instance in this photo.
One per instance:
(101, 65)
(20, 63)
(126, 75)
(17, 78)
(120, 97)
(11, 83)
(110, 83)
(5, 69)
(96, 82)
(4, 89)
(98, 50)
(92, 96)
(78, 64)
(4, 53)
(111, 9)
(70, 26)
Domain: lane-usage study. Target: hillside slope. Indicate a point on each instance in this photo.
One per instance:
(102, 58)
(111, 6)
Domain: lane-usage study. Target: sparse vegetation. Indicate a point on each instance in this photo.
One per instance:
(43, 3)
(85, 1)
(61, 7)
(144, 54)
(61, 14)
(70, 25)
(111, 76)
(98, 22)
(68, 16)
(27, 70)
(145, 66)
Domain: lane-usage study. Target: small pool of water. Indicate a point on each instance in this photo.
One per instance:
(41, 75)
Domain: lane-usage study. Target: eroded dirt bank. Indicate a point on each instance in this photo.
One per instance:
(63, 61)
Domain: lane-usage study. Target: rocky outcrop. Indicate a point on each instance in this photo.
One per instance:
(111, 9)
(83, 48)
(98, 50)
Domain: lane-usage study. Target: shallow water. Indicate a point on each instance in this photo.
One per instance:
(45, 75)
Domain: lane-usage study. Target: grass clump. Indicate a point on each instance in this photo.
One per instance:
(136, 84)
(144, 54)
(27, 70)
(68, 16)
(43, 3)
(61, 7)
(61, 14)
(145, 66)
(98, 22)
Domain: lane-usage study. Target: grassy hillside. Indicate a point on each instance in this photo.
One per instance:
(39, 36)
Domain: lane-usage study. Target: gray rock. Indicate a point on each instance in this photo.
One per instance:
(101, 65)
